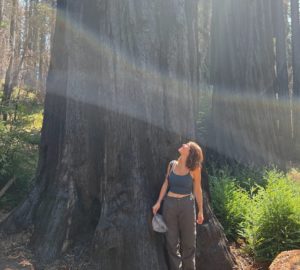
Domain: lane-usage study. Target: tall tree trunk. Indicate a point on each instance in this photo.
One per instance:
(35, 48)
(296, 73)
(242, 73)
(8, 86)
(32, 29)
(118, 105)
(282, 110)
(41, 73)
(1, 10)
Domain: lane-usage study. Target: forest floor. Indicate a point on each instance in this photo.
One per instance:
(244, 261)
(15, 255)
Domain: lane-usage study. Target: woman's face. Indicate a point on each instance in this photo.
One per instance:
(184, 149)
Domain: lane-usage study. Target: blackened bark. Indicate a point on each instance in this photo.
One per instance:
(118, 106)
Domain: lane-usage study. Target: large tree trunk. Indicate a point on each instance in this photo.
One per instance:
(118, 105)
(282, 111)
(295, 21)
(242, 73)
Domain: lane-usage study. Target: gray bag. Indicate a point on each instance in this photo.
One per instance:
(158, 223)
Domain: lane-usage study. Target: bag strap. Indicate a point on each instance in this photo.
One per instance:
(171, 167)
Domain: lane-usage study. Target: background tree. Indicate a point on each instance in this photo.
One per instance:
(282, 108)
(26, 32)
(295, 25)
(8, 84)
(244, 125)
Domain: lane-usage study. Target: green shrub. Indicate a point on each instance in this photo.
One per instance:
(19, 139)
(229, 203)
(273, 222)
(266, 216)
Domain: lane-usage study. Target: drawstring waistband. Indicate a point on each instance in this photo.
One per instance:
(190, 196)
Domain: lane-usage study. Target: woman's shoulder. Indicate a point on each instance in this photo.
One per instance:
(196, 170)
(173, 161)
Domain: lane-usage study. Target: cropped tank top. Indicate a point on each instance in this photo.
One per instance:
(181, 184)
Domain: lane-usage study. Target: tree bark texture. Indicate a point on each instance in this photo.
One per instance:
(243, 76)
(118, 105)
(282, 111)
(295, 25)
(8, 82)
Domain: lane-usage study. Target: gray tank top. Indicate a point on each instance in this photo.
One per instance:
(181, 184)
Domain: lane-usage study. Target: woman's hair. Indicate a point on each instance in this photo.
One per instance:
(195, 157)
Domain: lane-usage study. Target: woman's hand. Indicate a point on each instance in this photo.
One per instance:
(155, 207)
(200, 217)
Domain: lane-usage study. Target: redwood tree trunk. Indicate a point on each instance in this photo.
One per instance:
(282, 111)
(242, 70)
(118, 106)
(295, 21)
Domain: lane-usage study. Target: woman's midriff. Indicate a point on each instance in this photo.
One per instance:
(176, 195)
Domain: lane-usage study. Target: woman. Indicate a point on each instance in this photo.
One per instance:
(183, 177)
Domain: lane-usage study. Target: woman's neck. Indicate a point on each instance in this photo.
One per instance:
(181, 162)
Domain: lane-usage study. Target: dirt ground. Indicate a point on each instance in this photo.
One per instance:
(244, 261)
(15, 255)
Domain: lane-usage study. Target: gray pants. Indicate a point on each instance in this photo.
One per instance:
(180, 217)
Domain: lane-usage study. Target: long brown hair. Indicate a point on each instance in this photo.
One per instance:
(195, 157)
